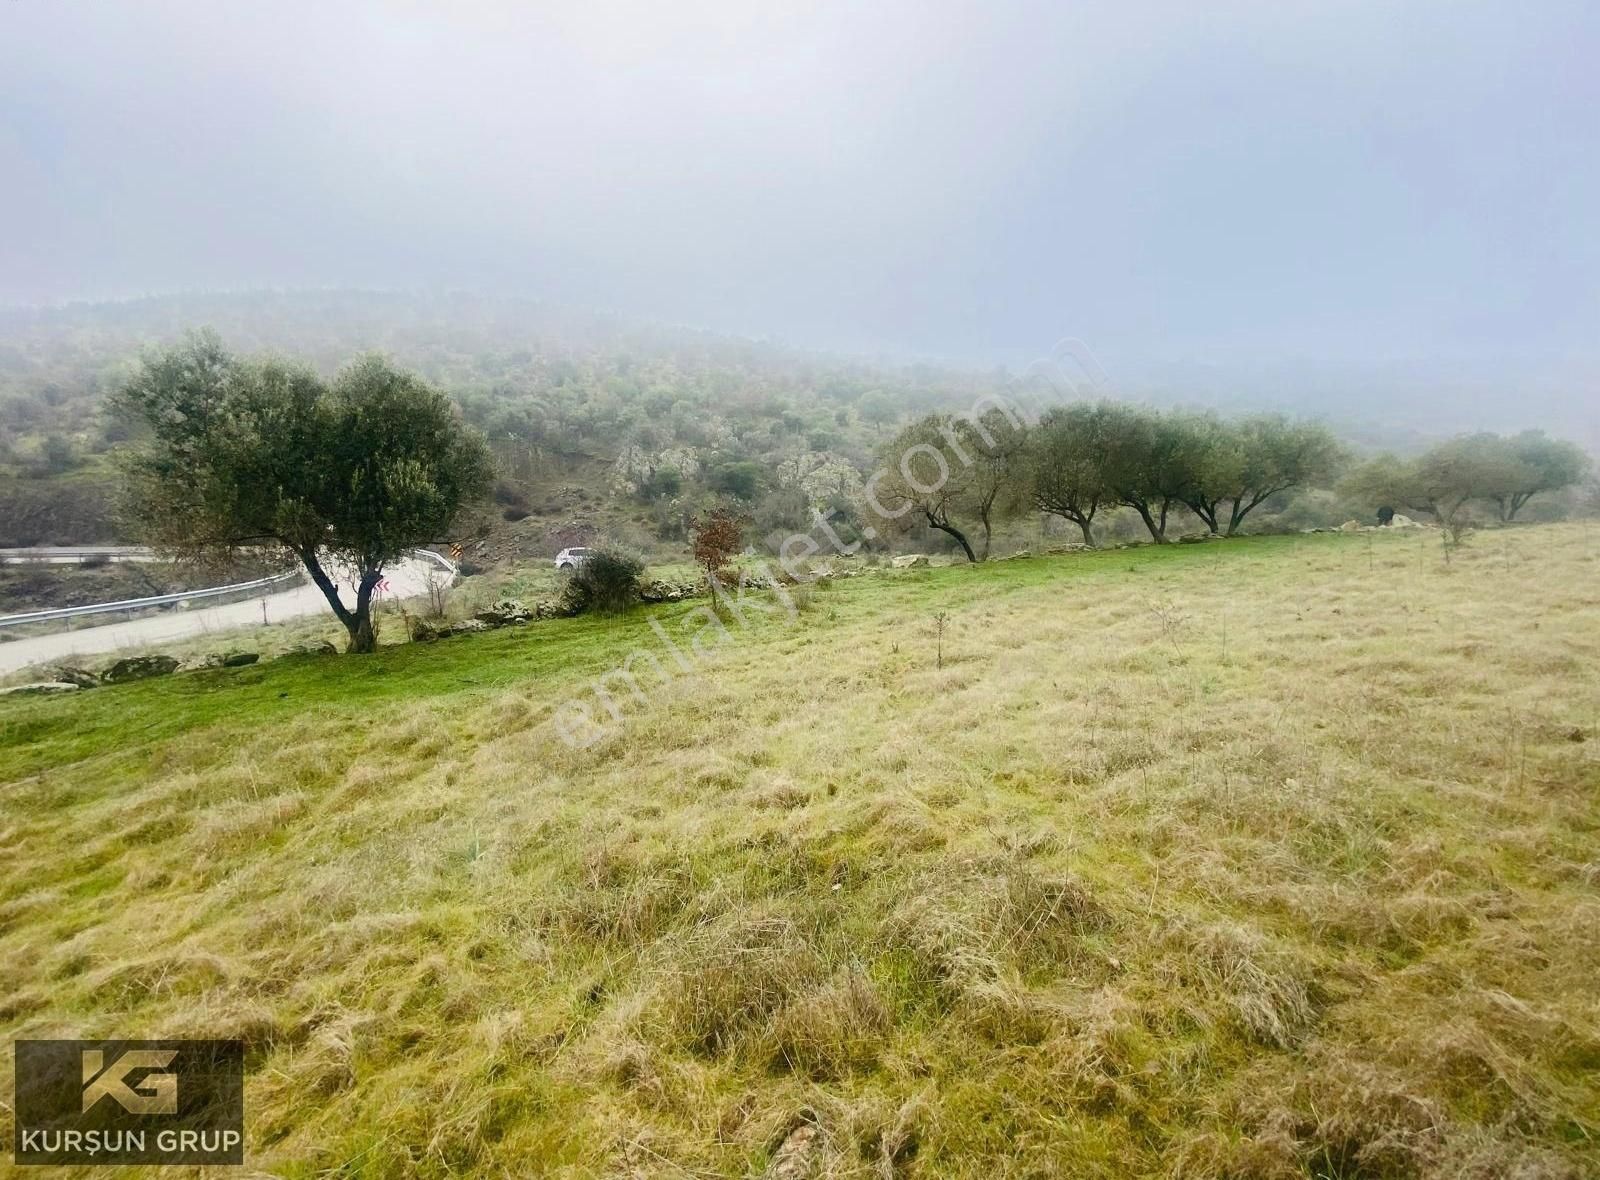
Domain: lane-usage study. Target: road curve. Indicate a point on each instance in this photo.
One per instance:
(406, 579)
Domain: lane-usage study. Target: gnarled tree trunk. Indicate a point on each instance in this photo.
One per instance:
(357, 622)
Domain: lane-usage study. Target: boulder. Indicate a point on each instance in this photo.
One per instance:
(1401, 521)
(66, 674)
(139, 668)
(44, 688)
(324, 648)
(240, 659)
(910, 560)
(469, 627)
(505, 613)
(424, 631)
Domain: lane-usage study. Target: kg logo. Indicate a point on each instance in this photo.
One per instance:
(157, 1093)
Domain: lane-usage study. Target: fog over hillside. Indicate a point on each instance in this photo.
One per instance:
(1359, 209)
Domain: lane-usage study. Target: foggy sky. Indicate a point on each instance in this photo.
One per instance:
(1226, 194)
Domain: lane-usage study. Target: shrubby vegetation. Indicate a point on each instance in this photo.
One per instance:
(606, 582)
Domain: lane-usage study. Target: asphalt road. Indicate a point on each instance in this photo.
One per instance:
(405, 580)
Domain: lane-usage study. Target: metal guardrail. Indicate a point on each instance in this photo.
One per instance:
(444, 562)
(76, 554)
(99, 608)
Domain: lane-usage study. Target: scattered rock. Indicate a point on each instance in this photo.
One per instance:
(1351, 526)
(66, 674)
(42, 689)
(505, 613)
(661, 591)
(1193, 538)
(240, 659)
(139, 668)
(469, 627)
(910, 560)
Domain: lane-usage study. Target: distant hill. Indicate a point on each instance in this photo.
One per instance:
(597, 422)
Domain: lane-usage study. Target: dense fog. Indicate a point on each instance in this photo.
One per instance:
(1380, 210)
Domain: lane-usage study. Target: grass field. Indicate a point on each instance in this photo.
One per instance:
(1272, 858)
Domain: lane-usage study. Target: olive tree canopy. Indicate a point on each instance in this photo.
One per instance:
(1244, 463)
(342, 475)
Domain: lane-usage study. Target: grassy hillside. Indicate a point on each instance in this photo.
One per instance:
(1271, 858)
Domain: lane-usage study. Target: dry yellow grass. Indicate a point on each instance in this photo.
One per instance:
(1271, 858)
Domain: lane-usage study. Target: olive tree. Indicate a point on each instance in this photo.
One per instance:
(1528, 464)
(1438, 483)
(995, 445)
(346, 475)
(946, 470)
(1242, 464)
(1067, 461)
(1150, 463)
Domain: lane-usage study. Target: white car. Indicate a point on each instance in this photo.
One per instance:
(571, 559)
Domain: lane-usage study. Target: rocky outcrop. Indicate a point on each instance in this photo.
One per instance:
(505, 613)
(634, 467)
(42, 689)
(323, 648)
(67, 674)
(426, 631)
(658, 590)
(139, 668)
